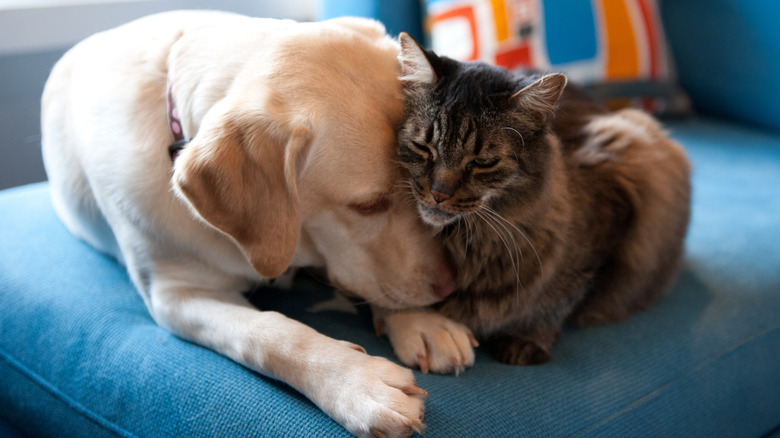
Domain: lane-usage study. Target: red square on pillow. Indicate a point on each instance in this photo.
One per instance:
(459, 23)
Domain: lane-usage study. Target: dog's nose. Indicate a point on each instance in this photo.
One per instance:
(445, 283)
(442, 290)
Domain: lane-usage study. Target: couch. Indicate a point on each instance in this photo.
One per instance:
(80, 356)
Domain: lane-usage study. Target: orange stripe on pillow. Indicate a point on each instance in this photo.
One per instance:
(502, 23)
(652, 36)
(622, 58)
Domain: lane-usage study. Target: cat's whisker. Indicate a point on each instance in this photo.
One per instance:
(518, 256)
(469, 233)
(457, 230)
(409, 201)
(463, 223)
(400, 163)
(513, 257)
(407, 191)
(538, 259)
(508, 128)
(518, 253)
(503, 223)
(404, 186)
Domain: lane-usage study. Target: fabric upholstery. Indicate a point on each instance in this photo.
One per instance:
(396, 15)
(616, 48)
(727, 56)
(80, 356)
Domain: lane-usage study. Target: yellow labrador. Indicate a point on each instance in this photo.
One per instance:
(291, 130)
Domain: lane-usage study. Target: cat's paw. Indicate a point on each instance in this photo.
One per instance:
(519, 351)
(429, 341)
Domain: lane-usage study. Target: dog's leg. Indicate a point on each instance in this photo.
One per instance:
(427, 340)
(368, 395)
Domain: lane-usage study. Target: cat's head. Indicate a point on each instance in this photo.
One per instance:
(472, 133)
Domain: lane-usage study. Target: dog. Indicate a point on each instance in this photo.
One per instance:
(283, 140)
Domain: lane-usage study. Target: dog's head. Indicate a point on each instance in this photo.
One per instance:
(298, 167)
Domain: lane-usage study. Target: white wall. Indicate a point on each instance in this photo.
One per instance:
(33, 38)
(42, 28)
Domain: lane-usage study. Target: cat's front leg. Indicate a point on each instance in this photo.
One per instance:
(427, 340)
(529, 348)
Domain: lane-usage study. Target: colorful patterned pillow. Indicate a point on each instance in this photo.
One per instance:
(615, 48)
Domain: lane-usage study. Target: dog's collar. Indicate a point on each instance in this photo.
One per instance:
(175, 125)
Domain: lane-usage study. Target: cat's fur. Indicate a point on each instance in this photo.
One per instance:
(554, 209)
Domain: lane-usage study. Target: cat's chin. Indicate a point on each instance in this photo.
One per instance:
(436, 217)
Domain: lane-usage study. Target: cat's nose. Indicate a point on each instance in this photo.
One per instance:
(440, 195)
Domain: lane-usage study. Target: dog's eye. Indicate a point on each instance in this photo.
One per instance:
(371, 207)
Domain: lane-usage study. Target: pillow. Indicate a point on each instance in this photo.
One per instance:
(614, 48)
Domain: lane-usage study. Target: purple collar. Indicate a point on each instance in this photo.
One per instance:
(175, 124)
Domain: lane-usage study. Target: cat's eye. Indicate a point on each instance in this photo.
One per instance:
(372, 207)
(422, 149)
(483, 163)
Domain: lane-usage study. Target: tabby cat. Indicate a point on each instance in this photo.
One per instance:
(555, 210)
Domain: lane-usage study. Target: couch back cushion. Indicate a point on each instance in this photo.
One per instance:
(728, 54)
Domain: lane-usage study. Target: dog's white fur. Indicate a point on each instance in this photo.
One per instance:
(293, 132)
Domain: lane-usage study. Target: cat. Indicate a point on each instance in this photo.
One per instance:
(555, 210)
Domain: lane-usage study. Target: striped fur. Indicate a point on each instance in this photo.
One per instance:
(553, 208)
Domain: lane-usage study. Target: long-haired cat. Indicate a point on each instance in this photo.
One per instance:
(554, 209)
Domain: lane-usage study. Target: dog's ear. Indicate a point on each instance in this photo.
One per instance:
(240, 177)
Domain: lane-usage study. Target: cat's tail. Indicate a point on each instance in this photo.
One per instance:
(653, 174)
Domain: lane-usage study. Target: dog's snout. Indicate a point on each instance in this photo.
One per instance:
(442, 290)
(445, 282)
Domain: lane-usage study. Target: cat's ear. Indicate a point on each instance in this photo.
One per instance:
(415, 66)
(540, 97)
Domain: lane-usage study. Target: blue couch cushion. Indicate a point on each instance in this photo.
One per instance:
(727, 55)
(396, 15)
(80, 356)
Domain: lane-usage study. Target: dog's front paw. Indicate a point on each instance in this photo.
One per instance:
(376, 398)
(429, 341)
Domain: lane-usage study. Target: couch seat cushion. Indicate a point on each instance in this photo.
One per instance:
(80, 356)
